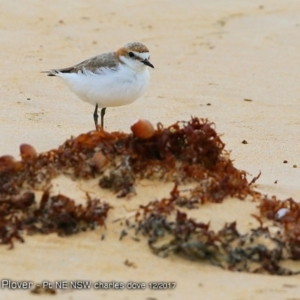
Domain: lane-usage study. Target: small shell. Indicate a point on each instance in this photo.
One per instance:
(281, 213)
(27, 152)
(143, 129)
(99, 160)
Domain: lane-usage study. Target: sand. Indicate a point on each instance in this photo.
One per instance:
(209, 57)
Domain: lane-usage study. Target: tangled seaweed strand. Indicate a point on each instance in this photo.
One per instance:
(170, 231)
(53, 214)
(286, 215)
(185, 151)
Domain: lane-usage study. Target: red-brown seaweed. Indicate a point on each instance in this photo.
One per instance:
(185, 152)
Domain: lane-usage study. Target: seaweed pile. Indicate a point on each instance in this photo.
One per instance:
(57, 213)
(185, 152)
(171, 231)
(192, 152)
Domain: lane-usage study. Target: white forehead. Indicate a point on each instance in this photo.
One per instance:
(142, 55)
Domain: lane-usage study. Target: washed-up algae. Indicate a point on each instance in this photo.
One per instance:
(185, 152)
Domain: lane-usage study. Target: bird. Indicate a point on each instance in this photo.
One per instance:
(110, 79)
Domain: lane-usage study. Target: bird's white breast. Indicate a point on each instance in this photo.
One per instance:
(108, 87)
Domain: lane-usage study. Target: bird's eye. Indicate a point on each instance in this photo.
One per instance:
(131, 54)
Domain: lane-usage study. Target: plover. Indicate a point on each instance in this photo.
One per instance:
(109, 79)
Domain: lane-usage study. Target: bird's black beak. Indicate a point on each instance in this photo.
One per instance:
(147, 63)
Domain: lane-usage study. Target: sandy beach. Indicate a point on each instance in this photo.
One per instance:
(235, 63)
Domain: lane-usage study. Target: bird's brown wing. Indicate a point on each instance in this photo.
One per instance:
(105, 60)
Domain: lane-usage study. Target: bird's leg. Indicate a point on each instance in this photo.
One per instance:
(96, 116)
(102, 116)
